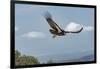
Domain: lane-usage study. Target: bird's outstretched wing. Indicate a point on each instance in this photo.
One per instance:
(75, 31)
(52, 24)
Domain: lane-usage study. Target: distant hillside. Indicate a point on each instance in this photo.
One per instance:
(61, 58)
(88, 58)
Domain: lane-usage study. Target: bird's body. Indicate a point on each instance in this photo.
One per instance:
(57, 33)
(56, 30)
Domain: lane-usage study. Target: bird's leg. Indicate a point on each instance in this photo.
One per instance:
(54, 36)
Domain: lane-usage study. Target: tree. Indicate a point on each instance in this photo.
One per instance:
(24, 60)
(17, 54)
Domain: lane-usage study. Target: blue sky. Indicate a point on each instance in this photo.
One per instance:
(32, 36)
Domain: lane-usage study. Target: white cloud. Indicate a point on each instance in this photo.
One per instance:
(74, 27)
(34, 34)
(16, 28)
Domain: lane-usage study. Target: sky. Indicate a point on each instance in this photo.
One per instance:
(32, 36)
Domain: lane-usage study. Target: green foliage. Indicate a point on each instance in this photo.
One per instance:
(24, 60)
(17, 54)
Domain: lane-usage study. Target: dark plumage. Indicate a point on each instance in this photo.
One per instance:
(56, 30)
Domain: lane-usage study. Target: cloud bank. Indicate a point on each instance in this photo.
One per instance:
(88, 28)
(34, 34)
(74, 27)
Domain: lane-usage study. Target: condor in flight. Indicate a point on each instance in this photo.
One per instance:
(56, 30)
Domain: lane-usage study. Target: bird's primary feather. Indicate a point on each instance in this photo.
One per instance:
(75, 31)
(51, 22)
